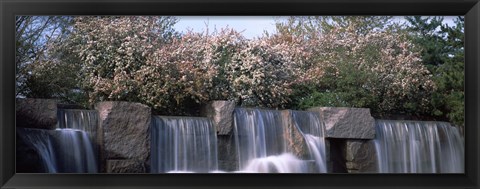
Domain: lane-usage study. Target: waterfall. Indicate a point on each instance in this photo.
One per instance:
(61, 150)
(75, 152)
(419, 147)
(84, 120)
(258, 134)
(183, 144)
(283, 163)
(78, 128)
(68, 149)
(41, 141)
(260, 142)
(312, 129)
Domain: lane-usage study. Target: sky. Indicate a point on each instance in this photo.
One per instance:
(249, 26)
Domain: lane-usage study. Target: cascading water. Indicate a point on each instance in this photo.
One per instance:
(84, 120)
(183, 145)
(68, 149)
(41, 141)
(283, 163)
(312, 129)
(78, 128)
(61, 150)
(419, 147)
(75, 152)
(259, 138)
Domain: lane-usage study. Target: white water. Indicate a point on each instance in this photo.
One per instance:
(183, 145)
(68, 149)
(313, 130)
(258, 134)
(419, 147)
(284, 163)
(78, 128)
(61, 150)
(84, 120)
(261, 145)
(75, 152)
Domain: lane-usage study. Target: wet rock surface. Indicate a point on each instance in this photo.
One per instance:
(295, 142)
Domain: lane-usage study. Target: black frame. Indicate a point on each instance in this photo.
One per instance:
(10, 8)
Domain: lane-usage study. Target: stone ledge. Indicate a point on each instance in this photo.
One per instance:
(347, 123)
(36, 113)
(125, 166)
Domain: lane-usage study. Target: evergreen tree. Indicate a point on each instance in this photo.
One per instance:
(442, 51)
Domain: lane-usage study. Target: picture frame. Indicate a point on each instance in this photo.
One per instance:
(9, 9)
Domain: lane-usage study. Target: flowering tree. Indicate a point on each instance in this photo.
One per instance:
(261, 75)
(113, 49)
(348, 65)
(329, 62)
(197, 68)
(178, 74)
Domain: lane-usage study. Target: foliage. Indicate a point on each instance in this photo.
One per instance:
(32, 36)
(311, 61)
(351, 67)
(112, 50)
(128, 58)
(197, 68)
(443, 53)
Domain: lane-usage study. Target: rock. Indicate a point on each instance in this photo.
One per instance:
(70, 106)
(221, 113)
(294, 140)
(125, 166)
(124, 132)
(227, 153)
(361, 156)
(36, 113)
(347, 123)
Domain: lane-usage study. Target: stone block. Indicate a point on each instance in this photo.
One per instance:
(295, 142)
(125, 166)
(124, 131)
(227, 153)
(347, 123)
(36, 113)
(221, 114)
(361, 156)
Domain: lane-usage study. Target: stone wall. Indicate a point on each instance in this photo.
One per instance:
(124, 137)
(347, 123)
(294, 140)
(40, 115)
(360, 156)
(36, 113)
(221, 114)
(350, 133)
(123, 134)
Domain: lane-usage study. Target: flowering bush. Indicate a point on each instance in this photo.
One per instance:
(141, 59)
(377, 69)
(261, 74)
(112, 51)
